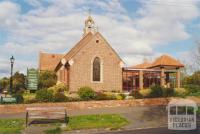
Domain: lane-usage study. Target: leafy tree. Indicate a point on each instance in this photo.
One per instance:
(47, 79)
(4, 83)
(193, 79)
(19, 82)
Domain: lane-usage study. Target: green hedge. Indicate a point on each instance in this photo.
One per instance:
(44, 95)
(86, 93)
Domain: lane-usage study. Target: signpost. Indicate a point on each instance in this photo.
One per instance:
(32, 79)
(8, 100)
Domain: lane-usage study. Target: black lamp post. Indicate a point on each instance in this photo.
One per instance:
(12, 59)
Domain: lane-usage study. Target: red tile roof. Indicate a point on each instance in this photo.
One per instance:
(48, 61)
(141, 66)
(166, 60)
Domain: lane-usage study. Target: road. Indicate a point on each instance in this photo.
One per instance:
(162, 130)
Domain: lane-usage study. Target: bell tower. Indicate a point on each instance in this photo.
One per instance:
(89, 25)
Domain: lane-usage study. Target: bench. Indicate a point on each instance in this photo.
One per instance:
(46, 113)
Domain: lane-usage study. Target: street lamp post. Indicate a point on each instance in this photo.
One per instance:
(11, 73)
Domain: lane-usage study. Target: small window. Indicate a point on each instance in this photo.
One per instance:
(97, 41)
(96, 69)
(181, 110)
(173, 110)
(190, 110)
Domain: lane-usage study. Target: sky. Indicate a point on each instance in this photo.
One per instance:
(136, 29)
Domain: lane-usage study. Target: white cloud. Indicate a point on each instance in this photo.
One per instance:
(58, 26)
(8, 13)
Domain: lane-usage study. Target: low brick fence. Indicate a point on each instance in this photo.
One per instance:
(20, 108)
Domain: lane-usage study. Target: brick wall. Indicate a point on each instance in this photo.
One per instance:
(81, 70)
(19, 108)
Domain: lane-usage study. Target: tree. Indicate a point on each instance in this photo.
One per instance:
(19, 82)
(193, 79)
(47, 79)
(197, 55)
(4, 83)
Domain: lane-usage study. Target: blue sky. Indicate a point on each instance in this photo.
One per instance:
(136, 29)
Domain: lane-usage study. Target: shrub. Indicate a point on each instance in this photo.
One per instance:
(156, 91)
(136, 94)
(32, 100)
(110, 95)
(101, 96)
(168, 92)
(192, 88)
(19, 97)
(47, 79)
(145, 93)
(44, 95)
(58, 88)
(120, 96)
(181, 92)
(86, 93)
(60, 97)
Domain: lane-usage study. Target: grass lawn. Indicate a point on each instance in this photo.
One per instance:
(11, 126)
(113, 121)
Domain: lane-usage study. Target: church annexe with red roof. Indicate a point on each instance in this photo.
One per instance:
(93, 62)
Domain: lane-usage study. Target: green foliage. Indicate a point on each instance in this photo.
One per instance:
(19, 97)
(192, 88)
(110, 95)
(145, 93)
(86, 93)
(153, 92)
(44, 95)
(156, 91)
(58, 88)
(4, 84)
(101, 96)
(47, 79)
(181, 92)
(56, 130)
(120, 96)
(19, 82)
(194, 79)
(112, 121)
(136, 94)
(11, 126)
(60, 97)
(168, 92)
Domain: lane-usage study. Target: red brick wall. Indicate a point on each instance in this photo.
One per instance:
(19, 108)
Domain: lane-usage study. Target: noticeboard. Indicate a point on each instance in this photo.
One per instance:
(8, 100)
(32, 79)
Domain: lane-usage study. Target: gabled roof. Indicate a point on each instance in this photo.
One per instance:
(78, 46)
(48, 61)
(84, 41)
(166, 60)
(141, 66)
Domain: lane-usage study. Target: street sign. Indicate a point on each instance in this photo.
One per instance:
(8, 100)
(32, 79)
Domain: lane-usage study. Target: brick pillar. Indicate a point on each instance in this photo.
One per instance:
(141, 79)
(162, 76)
(178, 81)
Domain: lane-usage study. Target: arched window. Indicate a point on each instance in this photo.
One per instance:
(97, 69)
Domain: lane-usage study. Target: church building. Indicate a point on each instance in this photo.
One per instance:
(93, 62)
